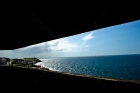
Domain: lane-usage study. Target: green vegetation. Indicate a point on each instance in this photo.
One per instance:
(25, 62)
(31, 59)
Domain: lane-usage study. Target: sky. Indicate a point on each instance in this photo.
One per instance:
(113, 40)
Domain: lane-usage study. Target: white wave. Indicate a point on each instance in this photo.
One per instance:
(42, 64)
(52, 69)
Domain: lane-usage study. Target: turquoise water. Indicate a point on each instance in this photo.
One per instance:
(117, 66)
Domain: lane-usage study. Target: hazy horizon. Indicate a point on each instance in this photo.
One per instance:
(81, 56)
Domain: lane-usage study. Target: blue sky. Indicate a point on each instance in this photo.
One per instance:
(113, 40)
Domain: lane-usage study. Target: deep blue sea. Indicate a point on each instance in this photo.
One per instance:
(125, 67)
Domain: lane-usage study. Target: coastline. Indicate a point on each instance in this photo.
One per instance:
(91, 76)
(66, 77)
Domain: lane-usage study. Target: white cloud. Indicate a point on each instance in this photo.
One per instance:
(49, 48)
(88, 37)
(59, 45)
(53, 42)
(62, 45)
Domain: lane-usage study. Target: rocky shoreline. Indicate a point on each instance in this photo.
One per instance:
(79, 75)
(32, 67)
(28, 65)
(21, 72)
(53, 79)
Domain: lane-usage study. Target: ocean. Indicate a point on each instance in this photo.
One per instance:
(125, 67)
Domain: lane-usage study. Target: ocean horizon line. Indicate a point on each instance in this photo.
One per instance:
(90, 56)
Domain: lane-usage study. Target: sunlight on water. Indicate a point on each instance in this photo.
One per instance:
(102, 66)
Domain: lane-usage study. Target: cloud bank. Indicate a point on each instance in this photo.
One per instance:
(49, 48)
